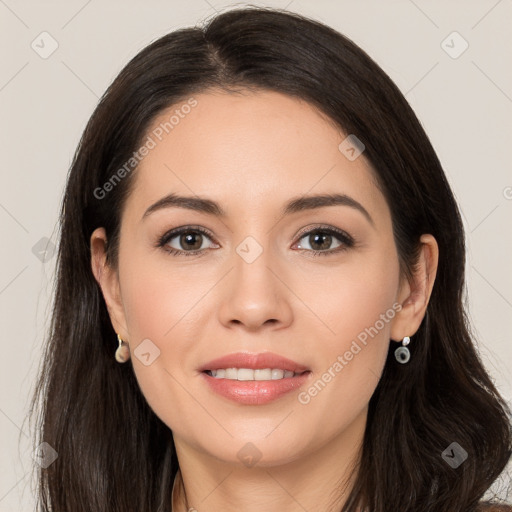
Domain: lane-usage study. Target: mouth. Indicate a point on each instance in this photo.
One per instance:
(251, 374)
(254, 379)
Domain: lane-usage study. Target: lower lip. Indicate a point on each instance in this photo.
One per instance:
(255, 392)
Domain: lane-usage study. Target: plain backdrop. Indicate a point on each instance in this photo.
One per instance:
(450, 58)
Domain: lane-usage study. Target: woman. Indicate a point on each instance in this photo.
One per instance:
(257, 224)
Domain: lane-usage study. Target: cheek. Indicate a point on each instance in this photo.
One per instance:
(161, 322)
(157, 296)
(355, 297)
(358, 306)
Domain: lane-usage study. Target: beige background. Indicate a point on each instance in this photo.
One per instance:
(464, 103)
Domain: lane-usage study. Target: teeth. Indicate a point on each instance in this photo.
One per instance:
(250, 374)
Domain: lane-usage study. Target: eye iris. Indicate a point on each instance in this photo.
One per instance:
(188, 238)
(326, 238)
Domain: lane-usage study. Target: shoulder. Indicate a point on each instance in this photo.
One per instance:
(489, 507)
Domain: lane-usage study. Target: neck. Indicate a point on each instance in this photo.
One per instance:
(178, 497)
(320, 480)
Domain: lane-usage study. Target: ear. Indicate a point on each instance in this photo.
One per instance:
(108, 280)
(414, 294)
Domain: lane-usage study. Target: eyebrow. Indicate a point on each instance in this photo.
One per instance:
(295, 205)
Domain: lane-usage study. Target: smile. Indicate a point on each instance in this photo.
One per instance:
(251, 374)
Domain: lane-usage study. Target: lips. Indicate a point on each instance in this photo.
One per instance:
(259, 361)
(255, 392)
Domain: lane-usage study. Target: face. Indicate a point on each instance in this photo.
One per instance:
(319, 286)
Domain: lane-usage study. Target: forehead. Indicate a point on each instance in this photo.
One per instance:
(247, 150)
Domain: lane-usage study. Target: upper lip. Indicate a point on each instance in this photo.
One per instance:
(254, 361)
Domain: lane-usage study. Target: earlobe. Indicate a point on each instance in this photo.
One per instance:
(108, 281)
(415, 295)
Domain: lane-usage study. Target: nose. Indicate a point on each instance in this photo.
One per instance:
(254, 293)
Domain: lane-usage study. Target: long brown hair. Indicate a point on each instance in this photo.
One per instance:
(114, 453)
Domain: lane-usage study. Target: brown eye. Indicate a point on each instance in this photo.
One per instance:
(186, 241)
(320, 240)
(191, 240)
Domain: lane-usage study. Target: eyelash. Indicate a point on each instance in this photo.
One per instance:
(346, 240)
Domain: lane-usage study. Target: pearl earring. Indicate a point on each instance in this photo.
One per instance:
(402, 353)
(122, 352)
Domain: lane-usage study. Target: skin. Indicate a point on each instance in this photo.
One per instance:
(252, 153)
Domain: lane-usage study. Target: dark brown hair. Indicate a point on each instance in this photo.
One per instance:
(114, 453)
